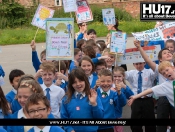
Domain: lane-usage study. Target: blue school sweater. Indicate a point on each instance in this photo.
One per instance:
(127, 92)
(20, 128)
(10, 96)
(98, 55)
(95, 78)
(2, 73)
(72, 66)
(110, 103)
(81, 109)
(15, 106)
(80, 36)
(2, 129)
(52, 129)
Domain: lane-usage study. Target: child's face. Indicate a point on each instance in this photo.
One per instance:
(168, 73)
(171, 47)
(38, 111)
(48, 77)
(15, 82)
(92, 36)
(83, 45)
(78, 56)
(43, 59)
(117, 76)
(106, 82)
(110, 61)
(139, 66)
(166, 55)
(87, 67)
(78, 85)
(99, 68)
(22, 95)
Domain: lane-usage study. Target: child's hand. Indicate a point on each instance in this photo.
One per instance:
(118, 88)
(58, 82)
(39, 73)
(103, 57)
(93, 97)
(97, 84)
(122, 85)
(33, 46)
(131, 100)
(61, 76)
(137, 43)
(72, 131)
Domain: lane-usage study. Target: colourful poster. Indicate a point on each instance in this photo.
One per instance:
(40, 16)
(164, 32)
(59, 39)
(70, 5)
(108, 16)
(132, 55)
(83, 13)
(118, 42)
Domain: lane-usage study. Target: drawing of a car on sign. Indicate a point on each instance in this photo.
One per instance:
(169, 33)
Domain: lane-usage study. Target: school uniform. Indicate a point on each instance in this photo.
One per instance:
(80, 108)
(92, 80)
(98, 55)
(2, 129)
(72, 66)
(164, 108)
(64, 85)
(15, 106)
(20, 115)
(110, 103)
(46, 129)
(142, 108)
(2, 73)
(56, 94)
(2, 116)
(11, 95)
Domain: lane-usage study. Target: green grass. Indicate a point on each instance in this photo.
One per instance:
(25, 35)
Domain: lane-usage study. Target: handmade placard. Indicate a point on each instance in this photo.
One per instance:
(108, 16)
(70, 5)
(60, 39)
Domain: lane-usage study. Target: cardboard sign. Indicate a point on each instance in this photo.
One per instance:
(70, 5)
(108, 16)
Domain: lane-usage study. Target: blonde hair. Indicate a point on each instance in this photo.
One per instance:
(163, 65)
(48, 66)
(108, 50)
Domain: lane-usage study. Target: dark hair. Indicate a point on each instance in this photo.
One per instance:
(76, 50)
(3, 103)
(116, 25)
(80, 43)
(91, 43)
(15, 73)
(62, 65)
(80, 24)
(105, 72)
(160, 53)
(79, 74)
(91, 31)
(42, 53)
(86, 58)
(101, 63)
(34, 99)
(102, 44)
(89, 51)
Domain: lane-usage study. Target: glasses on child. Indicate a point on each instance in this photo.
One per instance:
(32, 112)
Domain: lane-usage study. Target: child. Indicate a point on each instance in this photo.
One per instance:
(102, 44)
(170, 44)
(14, 78)
(25, 90)
(38, 107)
(163, 105)
(100, 66)
(81, 44)
(82, 34)
(96, 47)
(143, 108)
(77, 57)
(91, 34)
(88, 67)
(4, 107)
(53, 93)
(80, 102)
(2, 73)
(164, 89)
(111, 100)
(119, 80)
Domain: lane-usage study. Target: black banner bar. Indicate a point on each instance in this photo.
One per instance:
(86, 122)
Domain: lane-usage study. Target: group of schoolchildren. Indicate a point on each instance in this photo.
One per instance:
(91, 86)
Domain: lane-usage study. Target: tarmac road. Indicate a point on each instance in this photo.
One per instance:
(19, 57)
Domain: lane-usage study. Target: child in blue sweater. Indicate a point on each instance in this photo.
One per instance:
(111, 100)
(119, 81)
(38, 107)
(80, 102)
(14, 78)
(2, 73)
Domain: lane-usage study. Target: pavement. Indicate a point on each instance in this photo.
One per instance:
(20, 57)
